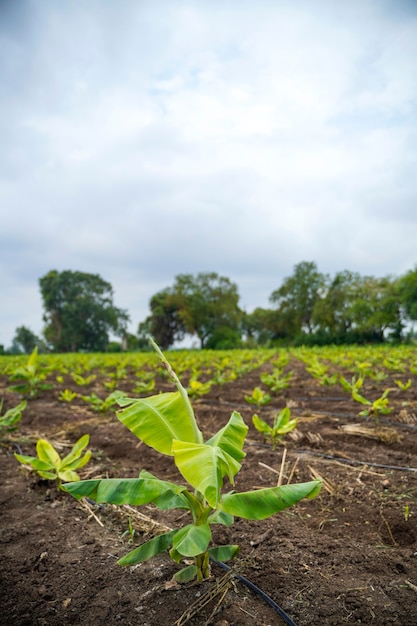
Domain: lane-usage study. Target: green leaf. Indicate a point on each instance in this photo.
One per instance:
(282, 418)
(221, 517)
(13, 415)
(68, 475)
(158, 420)
(149, 549)
(231, 437)
(84, 489)
(47, 475)
(260, 425)
(186, 574)
(76, 450)
(223, 553)
(32, 361)
(77, 463)
(21, 388)
(192, 540)
(204, 467)
(170, 500)
(263, 503)
(33, 461)
(175, 555)
(356, 396)
(287, 428)
(47, 453)
(134, 491)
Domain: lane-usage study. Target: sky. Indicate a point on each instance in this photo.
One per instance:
(142, 139)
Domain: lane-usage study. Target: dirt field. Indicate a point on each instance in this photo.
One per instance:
(347, 557)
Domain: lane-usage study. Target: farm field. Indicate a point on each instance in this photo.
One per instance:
(349, 556)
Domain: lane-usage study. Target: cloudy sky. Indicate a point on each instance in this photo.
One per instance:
(141, 139)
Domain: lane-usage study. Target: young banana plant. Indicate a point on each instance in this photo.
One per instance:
(258, 397)
(9, 421)
(166, 422)
(281, 426)
(49, 465)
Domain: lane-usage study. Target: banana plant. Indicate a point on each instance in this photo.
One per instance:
(82, 381)
(277, 381)
(281, 360)
(223, 377)
(9, 421)
(49, 465)
(31, 377)
(258, 397)
(378, 375)
(375, 408)
(166, 423)
(328, 381)
(282, 425)
(67, 396)
(317, 369)
(196, 388)
(352, 387)
(403, 386)
(144, 386)
(102, 406)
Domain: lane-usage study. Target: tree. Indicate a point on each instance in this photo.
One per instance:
(164, 323)
(407, 289)
(24, 340)
(376, 309)
(358, 309)
(260, 327)
(206, 305)
(333, 313)
(297, 297)
(79, 311)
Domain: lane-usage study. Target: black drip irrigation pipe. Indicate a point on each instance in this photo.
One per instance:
(288, 620)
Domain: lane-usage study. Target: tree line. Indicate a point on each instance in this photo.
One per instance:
(309, 308)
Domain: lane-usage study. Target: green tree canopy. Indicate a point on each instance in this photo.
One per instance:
(315, 308)
(261, 326)
(79, 311)
(24, 340)
(297, 297)
(376, 308)
(205, 305)
(407, 288)
(333, 312)
(164, 323)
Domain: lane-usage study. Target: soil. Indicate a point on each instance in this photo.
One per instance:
(347, 557)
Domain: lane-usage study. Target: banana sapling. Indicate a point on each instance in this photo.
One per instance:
(281, 426)
(375, 408)
(67, 396)
(166, 422)
(102, 406)
(9, 421)
(31, 377)
(403, 386)
(49, 465)
(277, 381)
(258, 397)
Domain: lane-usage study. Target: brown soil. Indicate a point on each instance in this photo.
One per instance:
(347, 557)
